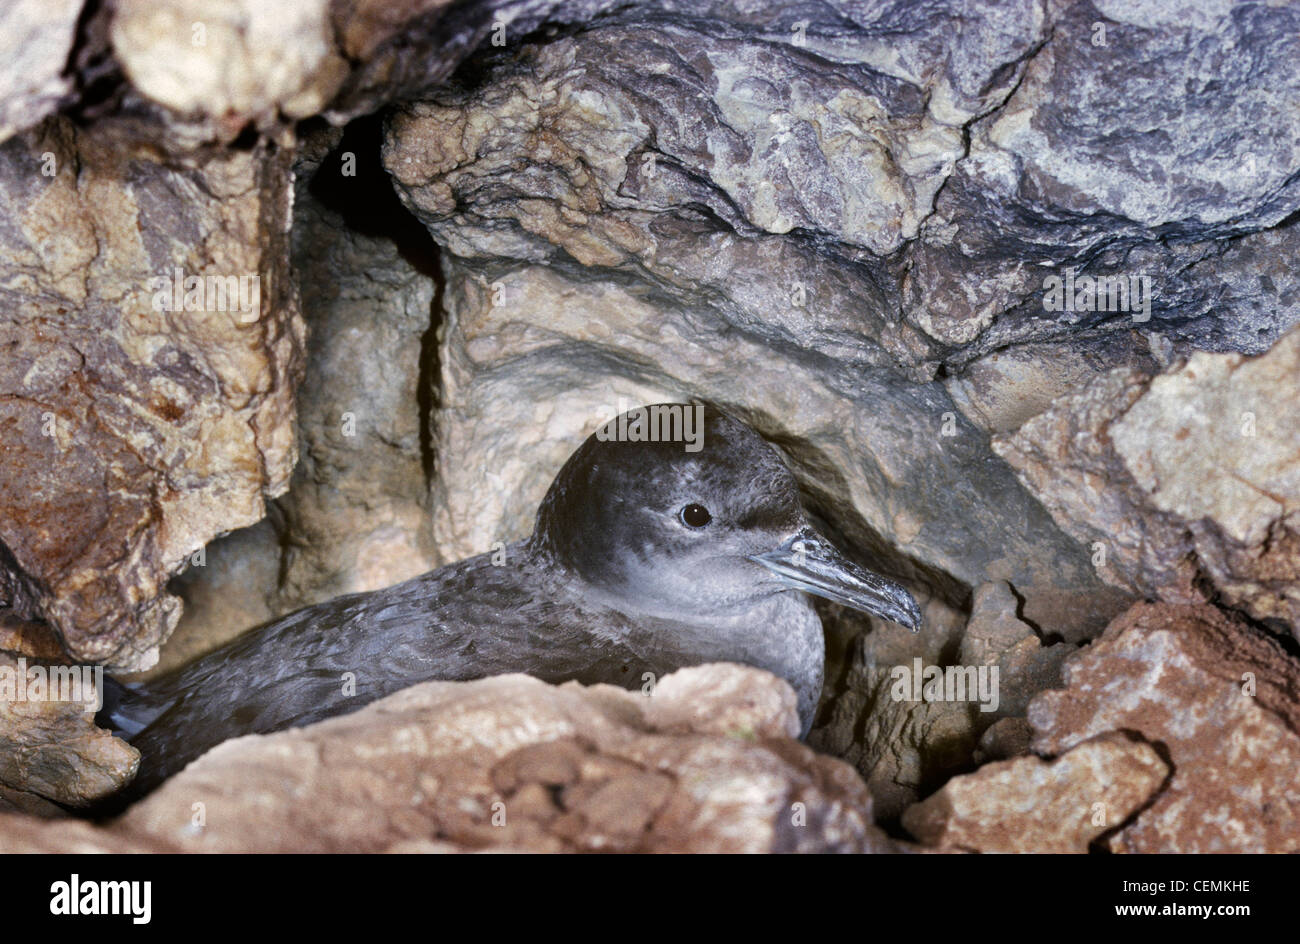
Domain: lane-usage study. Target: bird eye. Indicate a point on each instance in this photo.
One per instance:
(695, 516)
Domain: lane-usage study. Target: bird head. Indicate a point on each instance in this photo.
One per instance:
(678, 509)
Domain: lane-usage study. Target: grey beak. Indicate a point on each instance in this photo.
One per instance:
(809, 562)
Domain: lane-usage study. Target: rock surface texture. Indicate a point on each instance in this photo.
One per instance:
(152, 341)
(708, 763)
(1219, 698)
(1185, 480)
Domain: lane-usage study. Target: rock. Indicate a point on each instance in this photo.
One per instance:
(1067, 174)
(706, 764)
(1186, 477)
(1032, 805)
(1003, 390)
(132, 436)
(233, 61)
(997, 636)
(838, 140)
(1219, 698)
(1216, 443)
(50, 750)
(233, 586)
(906, 747)
(36, 40)
(1064, 456)
(357, 516)
(1004, 739)
(214, 68)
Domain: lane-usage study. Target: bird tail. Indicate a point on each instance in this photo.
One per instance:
(127, 709)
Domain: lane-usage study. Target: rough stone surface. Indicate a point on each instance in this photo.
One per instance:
(237, 59)
(1193, 474)
(1134, 143)
(236, 588)
(1216, 443)
(1002, 391)
(218, 67)
(706, 764)
(357, 513)
(52, 751)
(905, 749)
(36, 39)
(1220, 699)
(132, 436)
(1032, 805)
(356, 516)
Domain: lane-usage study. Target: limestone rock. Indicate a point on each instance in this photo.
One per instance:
(706, 764)
(1067, 173)
(357, 516)
(905, 747)
(1216, 443)
(24, 834)
(1220, 697)
(1032, 805)
(52, 750)
(133, 435)
(1191, 474)
(238, 61)
(233, 587)
(1003, 390)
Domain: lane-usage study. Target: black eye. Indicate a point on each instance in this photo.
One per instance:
(695, 516)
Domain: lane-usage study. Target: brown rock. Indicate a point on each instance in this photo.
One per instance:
(1032, 805)
(1064, 456)
(51, 749)
(1217, 444)
(904, 748)
(510, 762)
(132, 435)
(1219, 698)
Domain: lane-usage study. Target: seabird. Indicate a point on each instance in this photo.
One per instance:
(650, 553)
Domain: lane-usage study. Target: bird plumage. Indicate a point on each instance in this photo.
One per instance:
(615, 583)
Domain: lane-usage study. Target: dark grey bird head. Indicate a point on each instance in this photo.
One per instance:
(680, 511)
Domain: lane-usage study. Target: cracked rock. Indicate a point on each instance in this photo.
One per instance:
(905, 747)
(134, 434)
(36, 41)
(1219, 698)
(1193, 474)
(50, 751)
(1032, 805)
(708, 763)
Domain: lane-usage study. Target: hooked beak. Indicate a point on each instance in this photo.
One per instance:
(809, 562)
